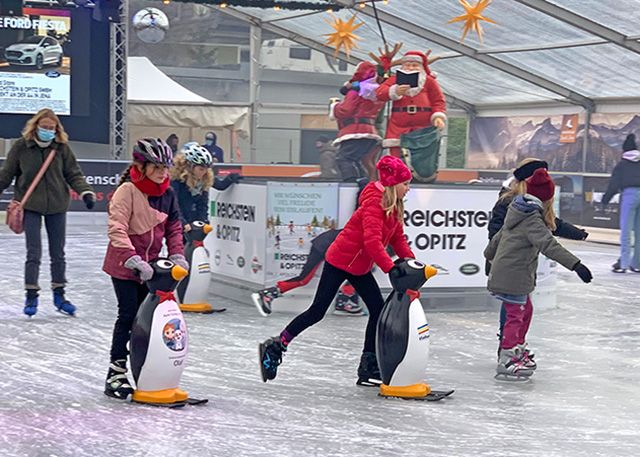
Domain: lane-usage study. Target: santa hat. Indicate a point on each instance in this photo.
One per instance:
(629, 143)
(364, 71)
(392, 171)
(416, 56)
(540, 185)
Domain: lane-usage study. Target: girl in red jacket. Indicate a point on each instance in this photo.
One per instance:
(377, 223)
(142, 213)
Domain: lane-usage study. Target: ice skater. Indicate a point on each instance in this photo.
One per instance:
(377, 221)
(513, 253)
(142, 214)
(191, 178)
(511, 188)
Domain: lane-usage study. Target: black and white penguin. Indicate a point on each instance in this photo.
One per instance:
(402, 341)
(193, 291)
(159, 339)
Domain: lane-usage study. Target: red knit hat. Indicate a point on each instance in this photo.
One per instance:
(416, 56)
(392, 171)
(540, 185)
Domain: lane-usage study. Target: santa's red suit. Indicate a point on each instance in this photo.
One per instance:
(415, 110)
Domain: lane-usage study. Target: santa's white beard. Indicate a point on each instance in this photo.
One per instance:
(422, 79)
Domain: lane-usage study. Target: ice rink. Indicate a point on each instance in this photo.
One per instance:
(583, 400)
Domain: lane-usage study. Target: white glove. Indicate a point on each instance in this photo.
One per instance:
(135, 262)
(179, 260)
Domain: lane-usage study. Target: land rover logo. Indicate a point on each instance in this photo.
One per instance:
(469, 269)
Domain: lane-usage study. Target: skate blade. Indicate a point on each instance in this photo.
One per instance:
(512, 378)
(434, 395)
(369, 382)
(255, 298)
(348, 313)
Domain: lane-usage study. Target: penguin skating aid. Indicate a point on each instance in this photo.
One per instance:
(403, 339)
(159, 341)
(193, 291)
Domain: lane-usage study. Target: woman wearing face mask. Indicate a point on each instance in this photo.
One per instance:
(42, 135)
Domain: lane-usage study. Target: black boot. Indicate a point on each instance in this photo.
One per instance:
(117, 385)
(368, 371)
(271, 357)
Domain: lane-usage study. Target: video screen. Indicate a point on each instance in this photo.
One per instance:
(35, 62)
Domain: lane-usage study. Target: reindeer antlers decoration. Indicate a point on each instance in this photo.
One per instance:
(385, 59)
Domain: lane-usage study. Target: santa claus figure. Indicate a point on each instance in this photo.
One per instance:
(413, 108)
(356, 115)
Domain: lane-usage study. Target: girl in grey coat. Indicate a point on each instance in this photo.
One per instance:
(513, 252)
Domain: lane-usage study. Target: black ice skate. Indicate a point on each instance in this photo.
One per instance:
(117, 385)
(270, 353)
(368, 371)
(263, 298)
(348, 305)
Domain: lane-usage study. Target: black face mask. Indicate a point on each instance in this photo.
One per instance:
(174, 147)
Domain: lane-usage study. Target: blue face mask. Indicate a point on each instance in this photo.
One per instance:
(208, 142)
(46, 134)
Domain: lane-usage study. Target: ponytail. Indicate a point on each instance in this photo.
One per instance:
(126, 176)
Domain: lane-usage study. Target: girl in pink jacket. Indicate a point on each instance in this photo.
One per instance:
(142, 213)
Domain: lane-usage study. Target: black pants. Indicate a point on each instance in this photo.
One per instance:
(56, 225)
(130, 295)
(330, 281)
(349, 158)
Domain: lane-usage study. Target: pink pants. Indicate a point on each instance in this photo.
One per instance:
(517, 324)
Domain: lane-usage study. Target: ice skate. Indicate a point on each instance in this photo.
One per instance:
(61, 303)
(31, 303)
(527, 357)
(347, 305)
(263, 299)
(511, 367)
(368, 370)
(270, 353)
(117, 385)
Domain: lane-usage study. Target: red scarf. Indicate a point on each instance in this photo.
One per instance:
(145, 185)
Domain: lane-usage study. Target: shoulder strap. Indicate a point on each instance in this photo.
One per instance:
(38, 177)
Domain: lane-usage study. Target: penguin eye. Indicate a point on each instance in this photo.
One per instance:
(415, 264)
(198, 224)
(165, 264)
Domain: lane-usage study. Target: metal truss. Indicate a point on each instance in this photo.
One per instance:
(118, 81)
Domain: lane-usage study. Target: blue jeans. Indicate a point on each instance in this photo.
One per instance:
(629, 220)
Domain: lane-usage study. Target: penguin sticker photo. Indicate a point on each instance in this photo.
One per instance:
(159, 341)
(193, 291)
(402, 341)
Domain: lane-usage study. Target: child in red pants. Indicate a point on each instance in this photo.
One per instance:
(513, 253)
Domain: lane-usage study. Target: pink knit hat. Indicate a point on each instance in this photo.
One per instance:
(540, 185)
(392, 171)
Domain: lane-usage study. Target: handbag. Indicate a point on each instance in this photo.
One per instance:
(15, 210)
(420, 150)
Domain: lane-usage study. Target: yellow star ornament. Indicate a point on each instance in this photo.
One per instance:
(472, 17)
(343, 37)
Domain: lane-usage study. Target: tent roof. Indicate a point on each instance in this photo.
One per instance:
(580, 52)
(146, 83)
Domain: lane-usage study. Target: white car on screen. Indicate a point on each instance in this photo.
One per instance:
(36, 51)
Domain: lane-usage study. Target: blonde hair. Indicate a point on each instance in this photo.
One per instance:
(30, 128)
(182, 171)
(549, 215)
(518, 187)
(391, 203)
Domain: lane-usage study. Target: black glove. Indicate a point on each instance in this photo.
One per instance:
(234, 178)
(89, 200)
(583, 272)
(398, 261)
(585, 234)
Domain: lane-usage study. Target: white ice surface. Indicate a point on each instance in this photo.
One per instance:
(583, 400)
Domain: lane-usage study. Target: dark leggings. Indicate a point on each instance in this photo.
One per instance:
(130, 295)
(330, 281)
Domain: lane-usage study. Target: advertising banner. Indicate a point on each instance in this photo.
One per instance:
(296, 214)
(35, 69)
(102, 175)
(237, 243)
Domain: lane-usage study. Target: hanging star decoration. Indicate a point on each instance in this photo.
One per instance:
(472, 17)
(343, 37)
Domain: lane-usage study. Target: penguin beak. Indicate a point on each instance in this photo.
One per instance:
(430, 272)
(207, 228)
(178, 272)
